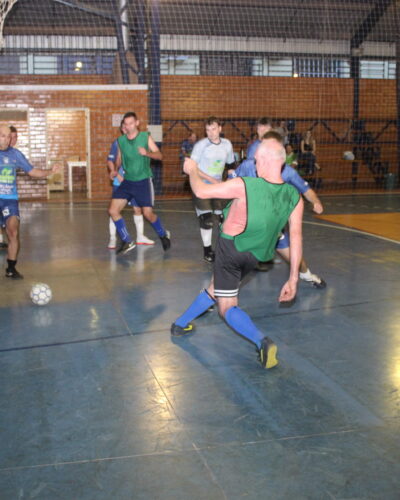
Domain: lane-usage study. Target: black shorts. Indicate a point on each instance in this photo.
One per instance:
(230, 267)
(208, 205)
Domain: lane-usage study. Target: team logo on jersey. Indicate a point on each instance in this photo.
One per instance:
(6, 160)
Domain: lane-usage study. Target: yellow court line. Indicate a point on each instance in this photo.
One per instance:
(387, 224)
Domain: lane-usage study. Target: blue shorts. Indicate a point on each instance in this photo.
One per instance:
(141, 191)
(132, 203)
(284, 241)
(8, 208)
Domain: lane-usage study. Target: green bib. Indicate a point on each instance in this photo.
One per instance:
(268, 209)
(136, 166)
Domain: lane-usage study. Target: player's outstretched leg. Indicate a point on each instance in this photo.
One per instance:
(241, 322)
(201, 304)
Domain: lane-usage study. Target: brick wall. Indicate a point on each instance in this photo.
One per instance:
(101, 104)
(188, 99)
(185, 102)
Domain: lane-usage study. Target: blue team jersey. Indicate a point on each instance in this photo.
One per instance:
(289, 175)
(10, 160)
(251, 150)
(112, 156)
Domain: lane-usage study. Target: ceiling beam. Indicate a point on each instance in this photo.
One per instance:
(369, 23)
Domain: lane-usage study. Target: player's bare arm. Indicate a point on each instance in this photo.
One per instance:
(233, 188)
(40, 173)
(154, 153)
(289, 289)
(312, 197)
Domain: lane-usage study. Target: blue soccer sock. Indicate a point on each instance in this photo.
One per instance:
(200, 305)
(242, 323)
(158, 227)
(122, 231)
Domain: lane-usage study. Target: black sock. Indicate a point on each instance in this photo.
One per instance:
(11, 264)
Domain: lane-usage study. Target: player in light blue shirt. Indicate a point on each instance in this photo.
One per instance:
(211, 154)
(248, 169)
(11, 160)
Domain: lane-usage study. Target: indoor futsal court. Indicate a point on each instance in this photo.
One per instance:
(99, 401)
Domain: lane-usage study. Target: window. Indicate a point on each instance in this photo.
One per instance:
(171, 64)
(322, 67)
(272, 66)
(66, 64)
(377, 69)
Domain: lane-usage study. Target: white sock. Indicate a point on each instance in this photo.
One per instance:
(113, 229)
(139, 224)
(306, 275)
(206, 236)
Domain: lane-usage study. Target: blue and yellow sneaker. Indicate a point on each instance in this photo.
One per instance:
(178, 331)
(267, 353)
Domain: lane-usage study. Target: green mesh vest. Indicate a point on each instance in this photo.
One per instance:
(268, 209)
(136, 166)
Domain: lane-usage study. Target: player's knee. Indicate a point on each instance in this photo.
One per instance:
(113, 212)
(222, 308)
(206, 220)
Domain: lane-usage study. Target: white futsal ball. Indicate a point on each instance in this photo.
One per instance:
(348, 155)
(41, 294)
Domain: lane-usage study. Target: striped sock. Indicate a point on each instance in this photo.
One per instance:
(122, 230)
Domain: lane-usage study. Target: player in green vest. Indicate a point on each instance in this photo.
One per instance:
(136, 149)
(259, 210)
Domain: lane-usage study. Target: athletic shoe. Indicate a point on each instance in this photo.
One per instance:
(209, 254)
(3, 245)
(178, 331)
(267, 353)
(14, 274)
(112, 244)
(144, 240)
(315, 280)
(126, 247)
(264, 267)
(165, 241)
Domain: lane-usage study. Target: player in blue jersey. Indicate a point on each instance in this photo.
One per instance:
(13, 142)
(10, 160)
(248, 169)
(141, 239)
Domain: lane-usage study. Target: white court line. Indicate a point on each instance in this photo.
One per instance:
(352, 230)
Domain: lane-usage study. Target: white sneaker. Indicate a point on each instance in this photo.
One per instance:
(112, 244)
(144, 240)
(315, 280)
